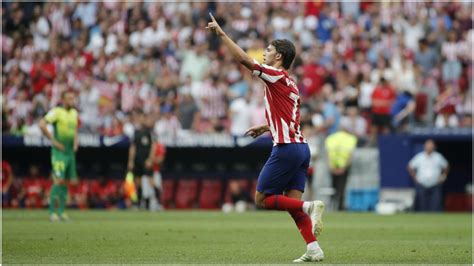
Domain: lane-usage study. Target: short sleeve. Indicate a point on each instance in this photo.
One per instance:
(442, 161)
(414, 162)
(266, 72)
(52, 116)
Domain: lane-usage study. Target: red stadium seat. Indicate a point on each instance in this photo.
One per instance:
(167, 194)
(210, 194)
(244, 185)
(186, 194)
(93, 186)
(47, 183)
(33, 188)
(458, 202)
(78, 194)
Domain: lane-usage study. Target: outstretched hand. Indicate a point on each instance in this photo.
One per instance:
(213, 26)
(256, 131)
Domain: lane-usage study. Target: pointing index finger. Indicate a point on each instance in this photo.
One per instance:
(212, 17)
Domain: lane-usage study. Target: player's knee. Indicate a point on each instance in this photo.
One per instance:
(259, 200)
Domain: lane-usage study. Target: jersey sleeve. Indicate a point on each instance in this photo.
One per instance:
(443, 162)
(266, 72)
(52, 116)
(414, 162)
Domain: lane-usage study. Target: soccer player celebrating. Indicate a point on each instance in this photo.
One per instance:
(64, 144)
(282, 179)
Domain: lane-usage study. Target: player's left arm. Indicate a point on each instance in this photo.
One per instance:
(51, 117)
(445, 171)
(412, 167)
(444, 174)
(256, 131)
(76, 139)
(151, 156)
(237, 52)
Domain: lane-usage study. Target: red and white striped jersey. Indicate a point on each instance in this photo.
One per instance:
(282, 104)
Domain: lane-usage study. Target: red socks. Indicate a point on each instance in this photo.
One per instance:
(283, 203)
(303, 222)
(295, 208)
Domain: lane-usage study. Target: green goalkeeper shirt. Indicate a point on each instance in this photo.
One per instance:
(65, 125)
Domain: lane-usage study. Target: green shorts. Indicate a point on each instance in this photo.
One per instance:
(64, 166)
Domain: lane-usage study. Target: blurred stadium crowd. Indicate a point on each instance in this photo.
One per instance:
(358, 64)
(362, 66)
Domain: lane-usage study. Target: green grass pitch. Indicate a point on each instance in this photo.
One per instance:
(117, 237)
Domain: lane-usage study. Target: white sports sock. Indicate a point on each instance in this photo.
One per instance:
(313, 245)
(306, 206)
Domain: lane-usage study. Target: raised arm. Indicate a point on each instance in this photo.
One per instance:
(234, 49)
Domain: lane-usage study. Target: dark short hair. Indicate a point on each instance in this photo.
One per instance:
(287, 50)
(63, 94)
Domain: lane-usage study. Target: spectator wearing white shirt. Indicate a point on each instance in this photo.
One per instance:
(240, 115)
(87, 13)
(257, 108)
(405, 78)
(383, 70)
(365, 94)
(40, 30)
(20, 107)
(88, 104)
(167, 126)
(429, 170)
(413, 32)
(195, 63)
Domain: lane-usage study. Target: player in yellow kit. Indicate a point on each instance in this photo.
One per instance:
(64, 144)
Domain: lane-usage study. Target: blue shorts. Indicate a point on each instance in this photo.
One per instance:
(286, 169)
